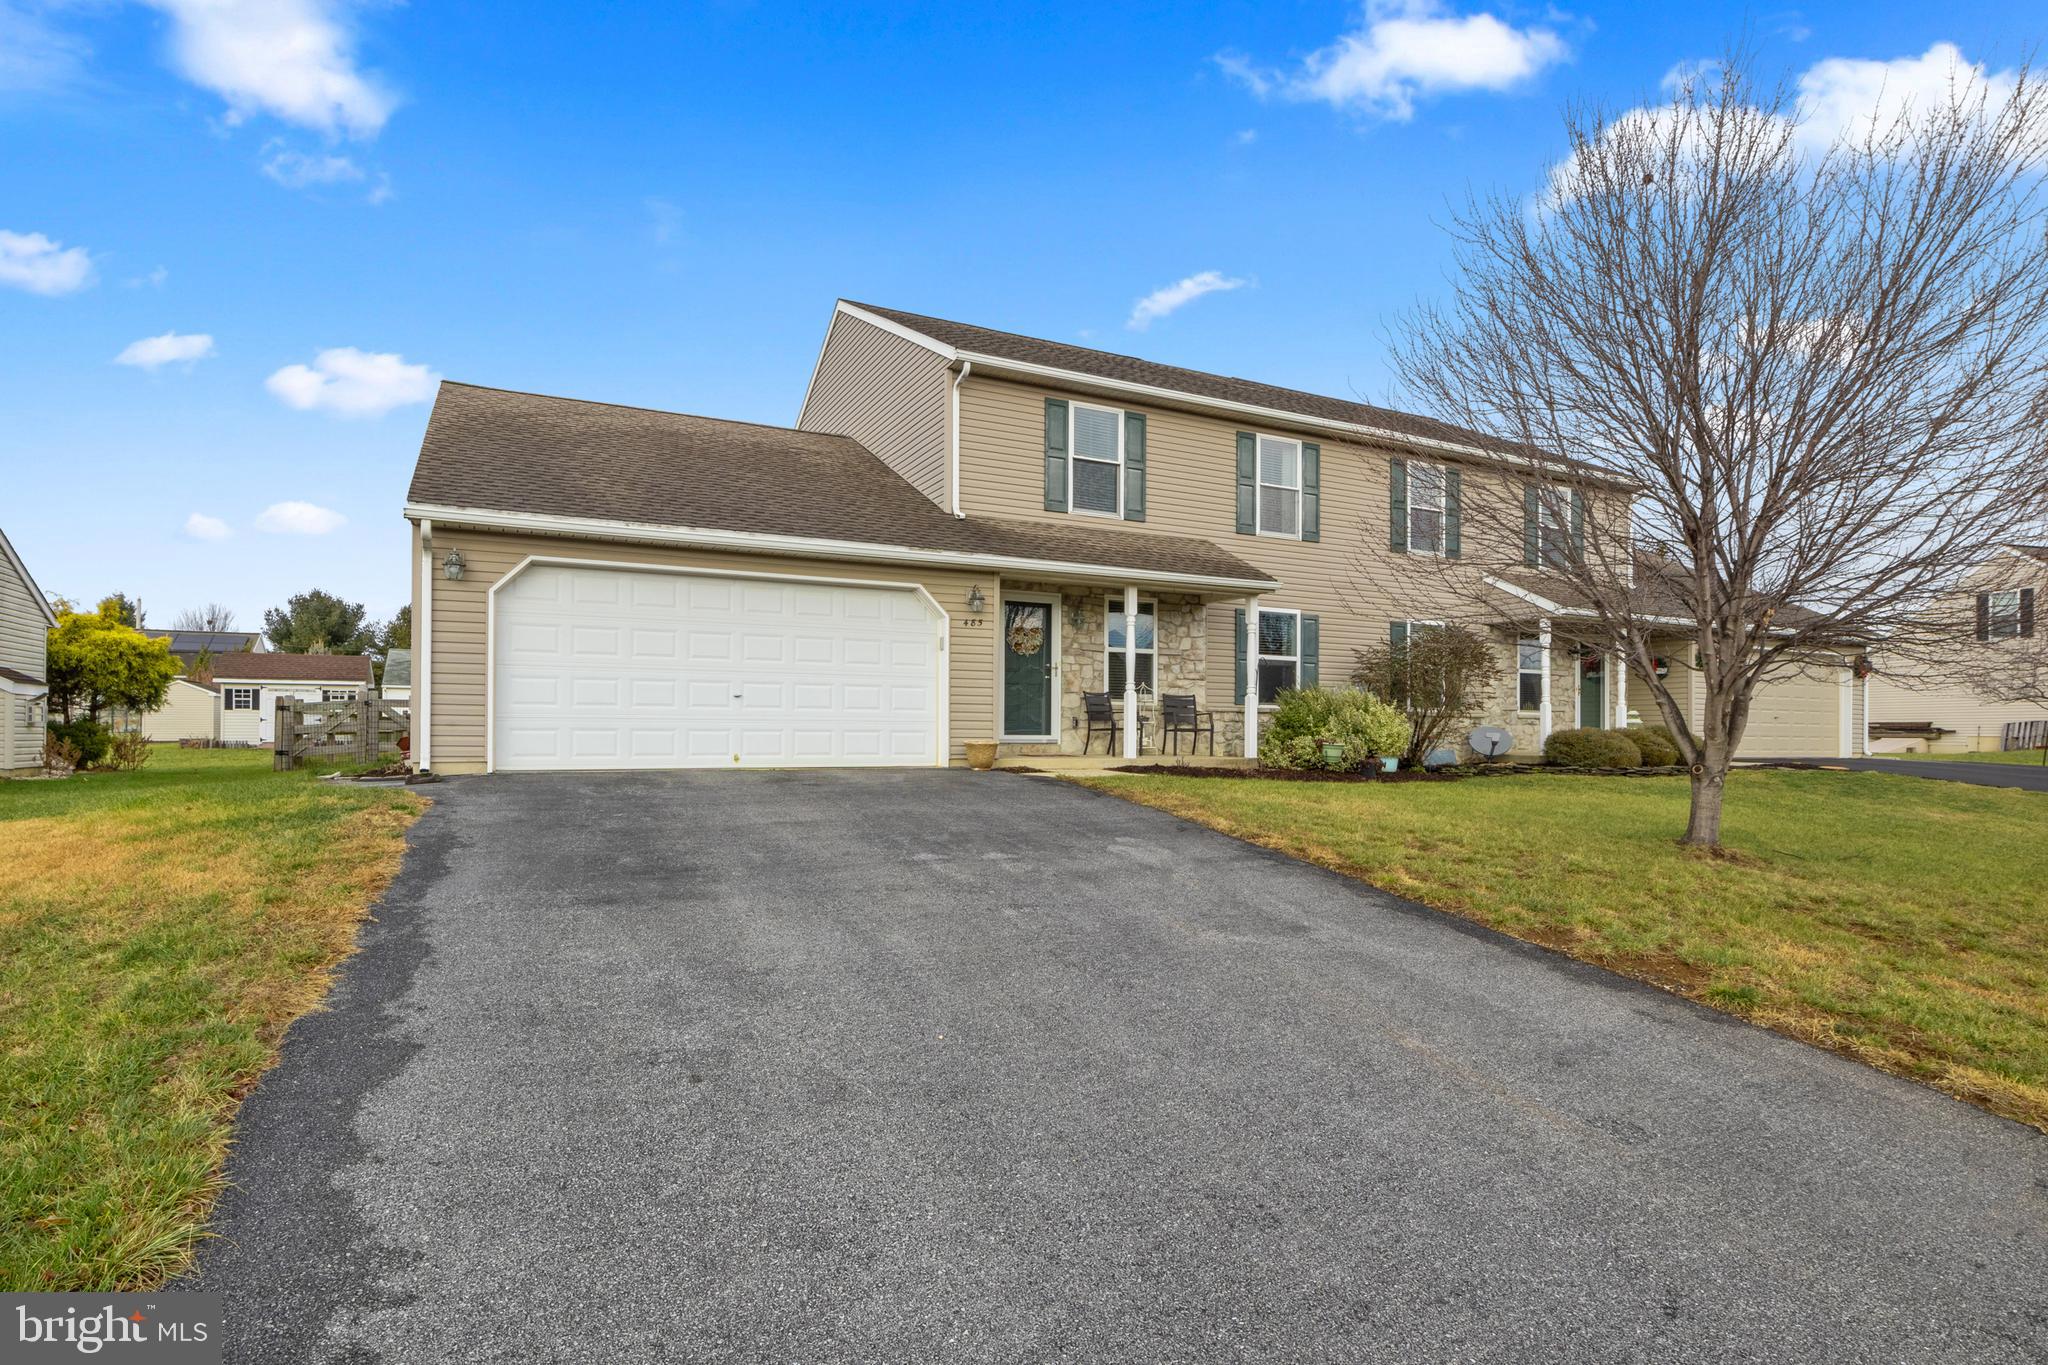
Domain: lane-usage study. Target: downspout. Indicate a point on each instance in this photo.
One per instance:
(966, 368)
(422, 711)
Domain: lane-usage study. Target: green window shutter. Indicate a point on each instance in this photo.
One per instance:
(2026, 613)
(1134, 466)
(1055, 454)
(1311, 491)
(1578, 524)
(1983, 617)
(1311, 647)
(1242, 671)
(1531, 522)
(1397, 507)
(1453, 511)
(1247, 484)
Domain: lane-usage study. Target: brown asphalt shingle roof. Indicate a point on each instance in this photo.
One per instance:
(1082, 360)
(279, 667)
(503, 451)
(16, 675)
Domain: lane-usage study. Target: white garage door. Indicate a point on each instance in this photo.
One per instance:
(607, 668)
(1796, 717)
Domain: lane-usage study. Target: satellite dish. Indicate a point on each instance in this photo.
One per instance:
(1490, 742)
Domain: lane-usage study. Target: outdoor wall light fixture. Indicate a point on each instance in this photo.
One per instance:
(976, 602)
(454, 564)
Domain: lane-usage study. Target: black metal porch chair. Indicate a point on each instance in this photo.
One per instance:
(1178, 715)
(1101, 716)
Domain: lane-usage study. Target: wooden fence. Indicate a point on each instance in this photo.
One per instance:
(359, 731)
(2024, 734)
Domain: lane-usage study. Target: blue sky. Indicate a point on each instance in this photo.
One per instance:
(306, 210)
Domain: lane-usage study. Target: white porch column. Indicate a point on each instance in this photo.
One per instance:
(1543, 707)
(1131, 716)
(1620, 681)
(1251, 678)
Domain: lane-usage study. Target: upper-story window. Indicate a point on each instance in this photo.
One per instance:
(1097, 466)
(1426, 484)
(2002, 615)
(1553, 526)
(1279, 486)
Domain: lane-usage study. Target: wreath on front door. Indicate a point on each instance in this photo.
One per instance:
(1026, 634)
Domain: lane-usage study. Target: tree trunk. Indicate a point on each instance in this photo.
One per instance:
(1703, 824)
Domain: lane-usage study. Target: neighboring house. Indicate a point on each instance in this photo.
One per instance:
(396, 688)
(251, 684)
(25, 624)
(188, 646)
(191, 710)
(1914, 709)
(967, 531)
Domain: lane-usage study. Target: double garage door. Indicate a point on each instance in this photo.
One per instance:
(608, 668)
(1798, 716)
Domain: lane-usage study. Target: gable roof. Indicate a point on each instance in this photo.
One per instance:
(28, 580)
(493, 457)
(184, 642)
(2039, 552)
(979, 345)
(279, 667)
(398, 668)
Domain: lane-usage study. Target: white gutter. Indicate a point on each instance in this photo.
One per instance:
(858, 550)
(958, 380)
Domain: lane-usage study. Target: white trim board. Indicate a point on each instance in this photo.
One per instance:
(944, 720)
(486, 519)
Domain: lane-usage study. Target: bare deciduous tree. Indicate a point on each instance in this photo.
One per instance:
(1819, 362)
(211, 617)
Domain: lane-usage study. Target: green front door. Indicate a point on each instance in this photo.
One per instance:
(1593, 692)
(1027, 669)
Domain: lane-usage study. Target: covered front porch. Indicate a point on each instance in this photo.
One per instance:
(1079, 660)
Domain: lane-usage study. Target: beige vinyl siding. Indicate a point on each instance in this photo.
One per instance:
(458, 649)
(1349, 578)
(189, 712)
(24, 646)
(1909, 691)
(891, 395)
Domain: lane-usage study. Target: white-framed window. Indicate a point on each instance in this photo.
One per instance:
(1095, 460)
(2002, 614)
(1426, 483)
(1279, 487)
(1278, 641)
(337, 694)
(1553, 531)
(1529, 674)
(239, 698)
(1148, 647)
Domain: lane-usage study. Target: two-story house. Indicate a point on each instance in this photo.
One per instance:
(1989, 693)
(25, 624)
(967, 534)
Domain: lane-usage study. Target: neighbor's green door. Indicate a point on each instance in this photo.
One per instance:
(1593, 693)
(1027, 668)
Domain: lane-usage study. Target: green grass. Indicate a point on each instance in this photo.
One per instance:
(1893, 919)
(158, 931)
(1980, 756)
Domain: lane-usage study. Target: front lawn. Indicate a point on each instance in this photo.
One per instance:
(158, 931)
(1896, 920)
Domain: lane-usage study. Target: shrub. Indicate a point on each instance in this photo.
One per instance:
(1658, 748)
(60, 755)
(128, 751)
(1305, 720)
(1440, 677)
(1592, 749)
(90, 738)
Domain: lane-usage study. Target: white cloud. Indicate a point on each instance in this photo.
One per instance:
(200, 526)
(1170, 298)
(34, 55)
(293, 59)
(296, 170)
(171, 348)
(1842, 96)
(1404, 50)
(298, 519)
(154, 279)
(1245, 137)
(31, 261)
(353, 383)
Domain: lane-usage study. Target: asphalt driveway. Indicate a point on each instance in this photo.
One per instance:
(2026, 776)
(938, 1065)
